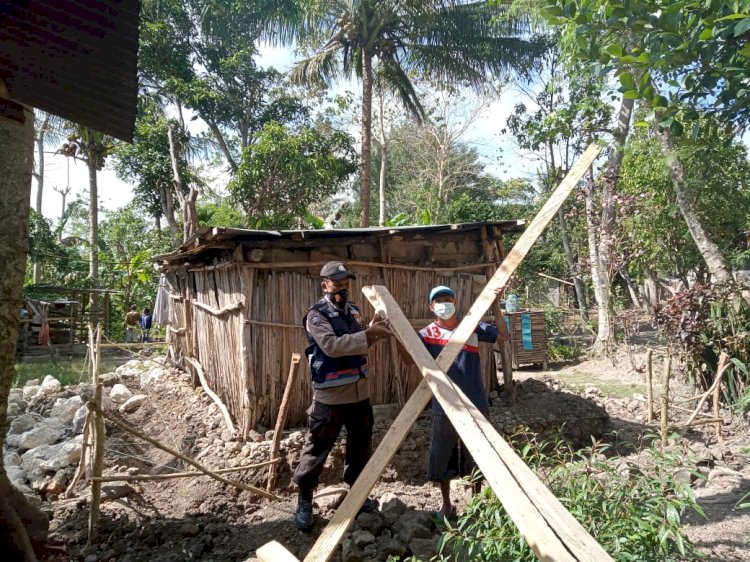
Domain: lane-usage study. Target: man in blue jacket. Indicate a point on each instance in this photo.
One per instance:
(338, 343)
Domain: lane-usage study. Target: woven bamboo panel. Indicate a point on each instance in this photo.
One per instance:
(538, 352)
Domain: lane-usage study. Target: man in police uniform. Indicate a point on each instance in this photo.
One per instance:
(338, 342)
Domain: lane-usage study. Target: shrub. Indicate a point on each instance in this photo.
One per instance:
(634, 511)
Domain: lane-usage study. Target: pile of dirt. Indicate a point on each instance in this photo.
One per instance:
(202, 519)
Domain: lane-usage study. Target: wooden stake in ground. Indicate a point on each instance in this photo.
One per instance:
(98, 432)
(721, 368)
(665, 401)
(344, 516)
(273, 470)
(649, 386)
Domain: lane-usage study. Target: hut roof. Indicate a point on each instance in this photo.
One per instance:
(76, 59)
(208, 239)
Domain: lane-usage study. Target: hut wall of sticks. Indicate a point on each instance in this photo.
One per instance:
(237, 299)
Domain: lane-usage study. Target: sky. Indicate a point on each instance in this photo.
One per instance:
(113, 193)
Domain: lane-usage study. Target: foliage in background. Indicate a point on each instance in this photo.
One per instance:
(701, 322)
(651, 227)
(635, 514)
(286, 170)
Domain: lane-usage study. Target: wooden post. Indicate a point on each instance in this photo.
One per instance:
(99, 433)
(649, 386)
(344, 516)
(665, 401)
(273, 470)
(716, 398)
(503, 337)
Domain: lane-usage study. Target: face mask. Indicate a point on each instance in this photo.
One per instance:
(339, 298)
(444, 310)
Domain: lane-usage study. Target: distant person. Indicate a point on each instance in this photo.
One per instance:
(449, 457)
(338, 341)
(132, 323)
(145, 325)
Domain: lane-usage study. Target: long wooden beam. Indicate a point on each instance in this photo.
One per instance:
(551, 531)
(344, 516)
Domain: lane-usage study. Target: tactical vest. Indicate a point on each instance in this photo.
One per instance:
(329, 372)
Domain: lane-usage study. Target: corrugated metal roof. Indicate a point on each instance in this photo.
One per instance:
(209, 237)
(76, 59)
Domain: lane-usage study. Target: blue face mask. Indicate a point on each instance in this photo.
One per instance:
(444, 310)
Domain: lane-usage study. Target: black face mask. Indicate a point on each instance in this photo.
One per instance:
(339, 298)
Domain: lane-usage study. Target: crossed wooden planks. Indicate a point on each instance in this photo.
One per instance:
(548, 527)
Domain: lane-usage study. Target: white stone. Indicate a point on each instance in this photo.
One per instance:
(50, 385)
(30, 391)
(17, 477)
(24, 423)
(133, 403)
(51, 458)
(79, 418)
(13, 409)
(11, 458)
(130, 368)
(15, 395)
(152, 376)
(63, 454)
(66, 408)
(31, 382)
(120, 393)
(41, 435)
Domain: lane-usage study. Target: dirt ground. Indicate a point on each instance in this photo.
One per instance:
(202, 519)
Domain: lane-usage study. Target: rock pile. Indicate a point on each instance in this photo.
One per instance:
(46, 422)
(392, 531)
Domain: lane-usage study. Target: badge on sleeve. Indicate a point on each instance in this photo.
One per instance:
(315, 320)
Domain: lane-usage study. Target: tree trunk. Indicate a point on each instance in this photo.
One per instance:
(93, 222)
(167, 206)
(189, 212)
(365, 188)
(573, 266)
(605, 249)
(716, 263)
(383, 165)
(40, 184)
(635, 294)
(18, 519)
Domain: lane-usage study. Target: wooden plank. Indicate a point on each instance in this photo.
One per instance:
(551, 531)
(344, 516)
(273, 552)
(520, 249)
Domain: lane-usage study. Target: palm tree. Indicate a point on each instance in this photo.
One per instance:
(442, 40)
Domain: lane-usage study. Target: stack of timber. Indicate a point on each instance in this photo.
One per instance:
(237, 299)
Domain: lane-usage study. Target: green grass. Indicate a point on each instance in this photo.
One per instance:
(578, 381)
(66, 370)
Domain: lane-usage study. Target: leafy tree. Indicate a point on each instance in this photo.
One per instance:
(149, 164)
(200, 54)
(717, 169)
(436, 39)
(128, 243)
(285, 171)
(673, 56)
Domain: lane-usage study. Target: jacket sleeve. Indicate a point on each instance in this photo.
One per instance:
(322, 332)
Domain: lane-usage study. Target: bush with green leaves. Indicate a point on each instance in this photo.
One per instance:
(633, 510)
(701, 322)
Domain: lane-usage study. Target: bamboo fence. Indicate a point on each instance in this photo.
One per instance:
(245, 351)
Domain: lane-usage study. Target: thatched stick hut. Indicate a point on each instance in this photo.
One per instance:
(238, 298)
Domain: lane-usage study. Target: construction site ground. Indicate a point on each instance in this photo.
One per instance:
(202, 519)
